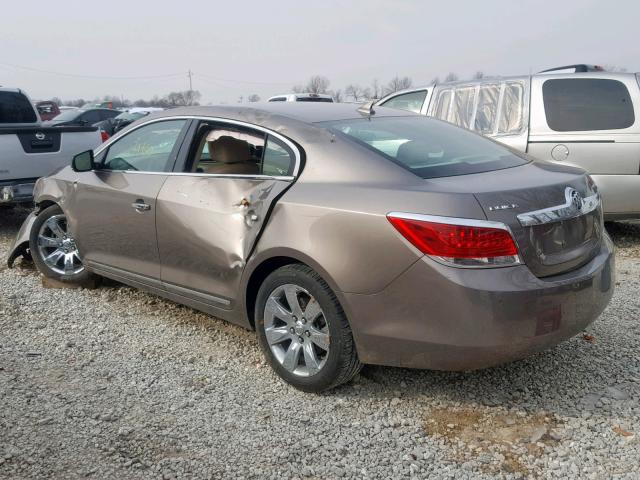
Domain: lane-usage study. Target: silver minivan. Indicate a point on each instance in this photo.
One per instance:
(581, 118)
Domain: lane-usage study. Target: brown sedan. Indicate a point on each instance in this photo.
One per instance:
(342, 236)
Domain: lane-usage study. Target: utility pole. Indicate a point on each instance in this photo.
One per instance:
(189, 74)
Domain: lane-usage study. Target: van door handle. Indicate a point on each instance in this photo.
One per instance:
(140, 206)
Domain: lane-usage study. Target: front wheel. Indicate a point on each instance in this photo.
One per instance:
(303, 330)
(54, 249)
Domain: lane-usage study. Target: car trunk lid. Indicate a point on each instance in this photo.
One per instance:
(553, 212)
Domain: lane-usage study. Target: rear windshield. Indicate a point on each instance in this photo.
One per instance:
(68, 115)
(16, 108)
(426, 147)
(314, 99)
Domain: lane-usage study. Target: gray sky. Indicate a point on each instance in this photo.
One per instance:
(244, 47)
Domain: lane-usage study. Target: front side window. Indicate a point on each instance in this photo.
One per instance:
(146, 149)
(16, 108)
(583, 104)
(425, 147)
(411, 102)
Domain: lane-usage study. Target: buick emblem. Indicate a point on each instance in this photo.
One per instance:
(576, 199)
(40, 136)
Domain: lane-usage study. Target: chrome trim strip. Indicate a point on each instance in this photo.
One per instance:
(290, 144)
(206, 175)
(467, 222)
(574, 206)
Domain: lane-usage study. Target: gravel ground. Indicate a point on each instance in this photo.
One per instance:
(114, 383)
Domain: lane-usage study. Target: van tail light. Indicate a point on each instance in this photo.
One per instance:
(104, 135)
(458, 241)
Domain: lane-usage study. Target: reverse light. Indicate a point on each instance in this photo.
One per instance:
(458, 241)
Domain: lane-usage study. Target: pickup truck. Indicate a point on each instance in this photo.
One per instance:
(29, 150)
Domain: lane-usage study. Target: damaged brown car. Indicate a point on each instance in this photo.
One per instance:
(343, 236)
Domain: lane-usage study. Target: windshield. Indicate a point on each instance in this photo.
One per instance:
(131, 116)
(314, 99)
(426, 147)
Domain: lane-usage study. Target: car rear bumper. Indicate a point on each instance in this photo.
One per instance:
(444, 318)
(16, 192)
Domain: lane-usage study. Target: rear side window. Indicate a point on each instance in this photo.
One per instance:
(411, 102)
(487, 108)
(581, 104)
(16, 108)
(278, 159)
(426, 147)
(314, 99)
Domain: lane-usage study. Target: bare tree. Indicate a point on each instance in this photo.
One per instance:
(478, 75)
(318, 84)
(451, 77)
(397, 83)
(182, 99)
(253, 98)
(357, 92)
(337, 96)
(376, 89)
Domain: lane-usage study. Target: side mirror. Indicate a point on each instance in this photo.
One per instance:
(83, 162)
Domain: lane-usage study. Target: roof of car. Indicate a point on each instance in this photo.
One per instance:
(273, 114)
(9, 89)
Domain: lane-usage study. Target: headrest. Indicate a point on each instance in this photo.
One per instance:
(227, 149)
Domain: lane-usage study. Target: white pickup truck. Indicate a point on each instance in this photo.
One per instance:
(29, 150)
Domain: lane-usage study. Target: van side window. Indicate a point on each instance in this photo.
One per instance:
(442, 105)
(582, 104)
(411, 102)
(487, 111)
(512, 111)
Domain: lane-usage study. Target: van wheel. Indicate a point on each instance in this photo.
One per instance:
(303, 330)
(54, 250)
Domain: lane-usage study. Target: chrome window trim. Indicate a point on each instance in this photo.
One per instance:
(565, 211)
(238, 123)
(503, 262)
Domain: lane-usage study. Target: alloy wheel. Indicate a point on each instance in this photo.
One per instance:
(296, 330)
(57, 248)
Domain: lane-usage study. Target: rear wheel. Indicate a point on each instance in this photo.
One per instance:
(54, 250)
(303, 330)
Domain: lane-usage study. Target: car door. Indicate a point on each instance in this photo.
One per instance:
(415, 101)
(588, 120)
(113, 207)
(211, 211)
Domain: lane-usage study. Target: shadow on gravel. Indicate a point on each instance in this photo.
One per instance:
(626, 236)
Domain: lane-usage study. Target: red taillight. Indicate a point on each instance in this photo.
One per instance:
(104, 135)
(471, 244)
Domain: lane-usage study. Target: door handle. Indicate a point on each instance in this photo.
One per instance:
(140, 206)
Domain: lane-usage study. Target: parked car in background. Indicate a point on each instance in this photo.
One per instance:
(340, 235)
(576, 115)
(83, 117)
(29, 150)
(302, 97)
(47, 110)
(113, 125)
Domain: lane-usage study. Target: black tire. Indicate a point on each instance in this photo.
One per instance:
(342, 362)
(81, 278)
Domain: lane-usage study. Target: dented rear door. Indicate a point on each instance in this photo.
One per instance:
(208, 224)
